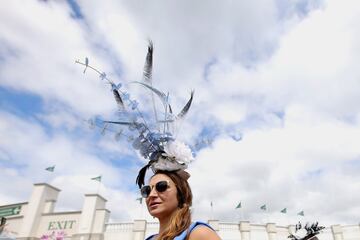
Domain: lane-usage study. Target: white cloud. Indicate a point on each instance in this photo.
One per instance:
(298, 166)
(287, 78)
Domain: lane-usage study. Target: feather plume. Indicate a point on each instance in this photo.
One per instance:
(147, 73)
(186, 107)
(118, 100)
(161, 95)
(170, 109)
(86, 64)
(140, 179)
(149, 63)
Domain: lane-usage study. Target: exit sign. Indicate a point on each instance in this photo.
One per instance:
(9, 211)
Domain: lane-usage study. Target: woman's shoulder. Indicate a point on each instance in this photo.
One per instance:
(202, 231)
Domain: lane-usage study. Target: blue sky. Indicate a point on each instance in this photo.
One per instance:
(276, 94)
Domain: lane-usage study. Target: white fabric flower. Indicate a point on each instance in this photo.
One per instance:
(179, 152)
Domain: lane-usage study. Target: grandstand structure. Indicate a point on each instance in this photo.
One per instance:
(36, 218)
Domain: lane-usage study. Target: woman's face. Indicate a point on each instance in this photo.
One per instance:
(162, 204)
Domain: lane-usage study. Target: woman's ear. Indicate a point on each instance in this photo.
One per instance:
(181, 200)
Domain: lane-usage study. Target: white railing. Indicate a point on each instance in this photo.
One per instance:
(119, 227)
(229, 226)
(152, 225)
(231, 231)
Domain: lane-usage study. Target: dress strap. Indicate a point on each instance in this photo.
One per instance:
(150, 237)
(183, 235)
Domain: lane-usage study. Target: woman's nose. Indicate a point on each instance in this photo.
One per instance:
(153, 192)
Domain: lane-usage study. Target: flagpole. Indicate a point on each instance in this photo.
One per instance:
(284, 216)
(142, 216)
(142, 211)
(288, 221)
(240, 214)
(301, 215)
(264, 208)
(98, 188)
(98, 179)
(50, 171)
(212, 211)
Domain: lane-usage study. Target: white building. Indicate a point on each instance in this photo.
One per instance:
(35, 218)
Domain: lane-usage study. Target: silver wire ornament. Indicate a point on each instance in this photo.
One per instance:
(157, 144)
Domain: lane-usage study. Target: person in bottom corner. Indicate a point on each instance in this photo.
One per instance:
(169, 198)
(2, 224)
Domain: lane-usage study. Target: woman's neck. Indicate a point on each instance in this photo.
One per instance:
(164, 223)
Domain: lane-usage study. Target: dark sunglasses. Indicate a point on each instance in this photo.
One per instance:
(159, 187)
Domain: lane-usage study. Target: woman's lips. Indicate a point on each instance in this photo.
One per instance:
(153, 205)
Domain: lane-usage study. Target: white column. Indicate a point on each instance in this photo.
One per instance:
(49, 206)
(291, 229)
(337, 232)
(139, 229)
(245, 230)
(42, 193)
(101, 218)
(271, 230)
(94, 206)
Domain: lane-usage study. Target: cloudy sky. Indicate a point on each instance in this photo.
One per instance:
(276, 107)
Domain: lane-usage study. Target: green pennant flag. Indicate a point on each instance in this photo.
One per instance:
(238, 206)
(140, 199)
(263, 207)
(284, 210)
(50, 169)
(98, 178)
(301, 213)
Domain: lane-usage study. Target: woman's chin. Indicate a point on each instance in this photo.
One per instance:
(155, 213)
(158, 213)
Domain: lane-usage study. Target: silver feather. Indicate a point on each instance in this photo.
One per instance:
(118, 100)
(149, 63)
(147, 75)
(186, 107)
(163, 97)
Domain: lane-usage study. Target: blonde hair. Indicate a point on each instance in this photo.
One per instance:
(181, 218)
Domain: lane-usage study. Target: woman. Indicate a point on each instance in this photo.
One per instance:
(168, 195)
(169, 198)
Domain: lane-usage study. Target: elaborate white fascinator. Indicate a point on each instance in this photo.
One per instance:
(153, 138)
(308, 232)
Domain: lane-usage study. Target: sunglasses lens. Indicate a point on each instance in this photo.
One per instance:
(161, 186)
(145, 191)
